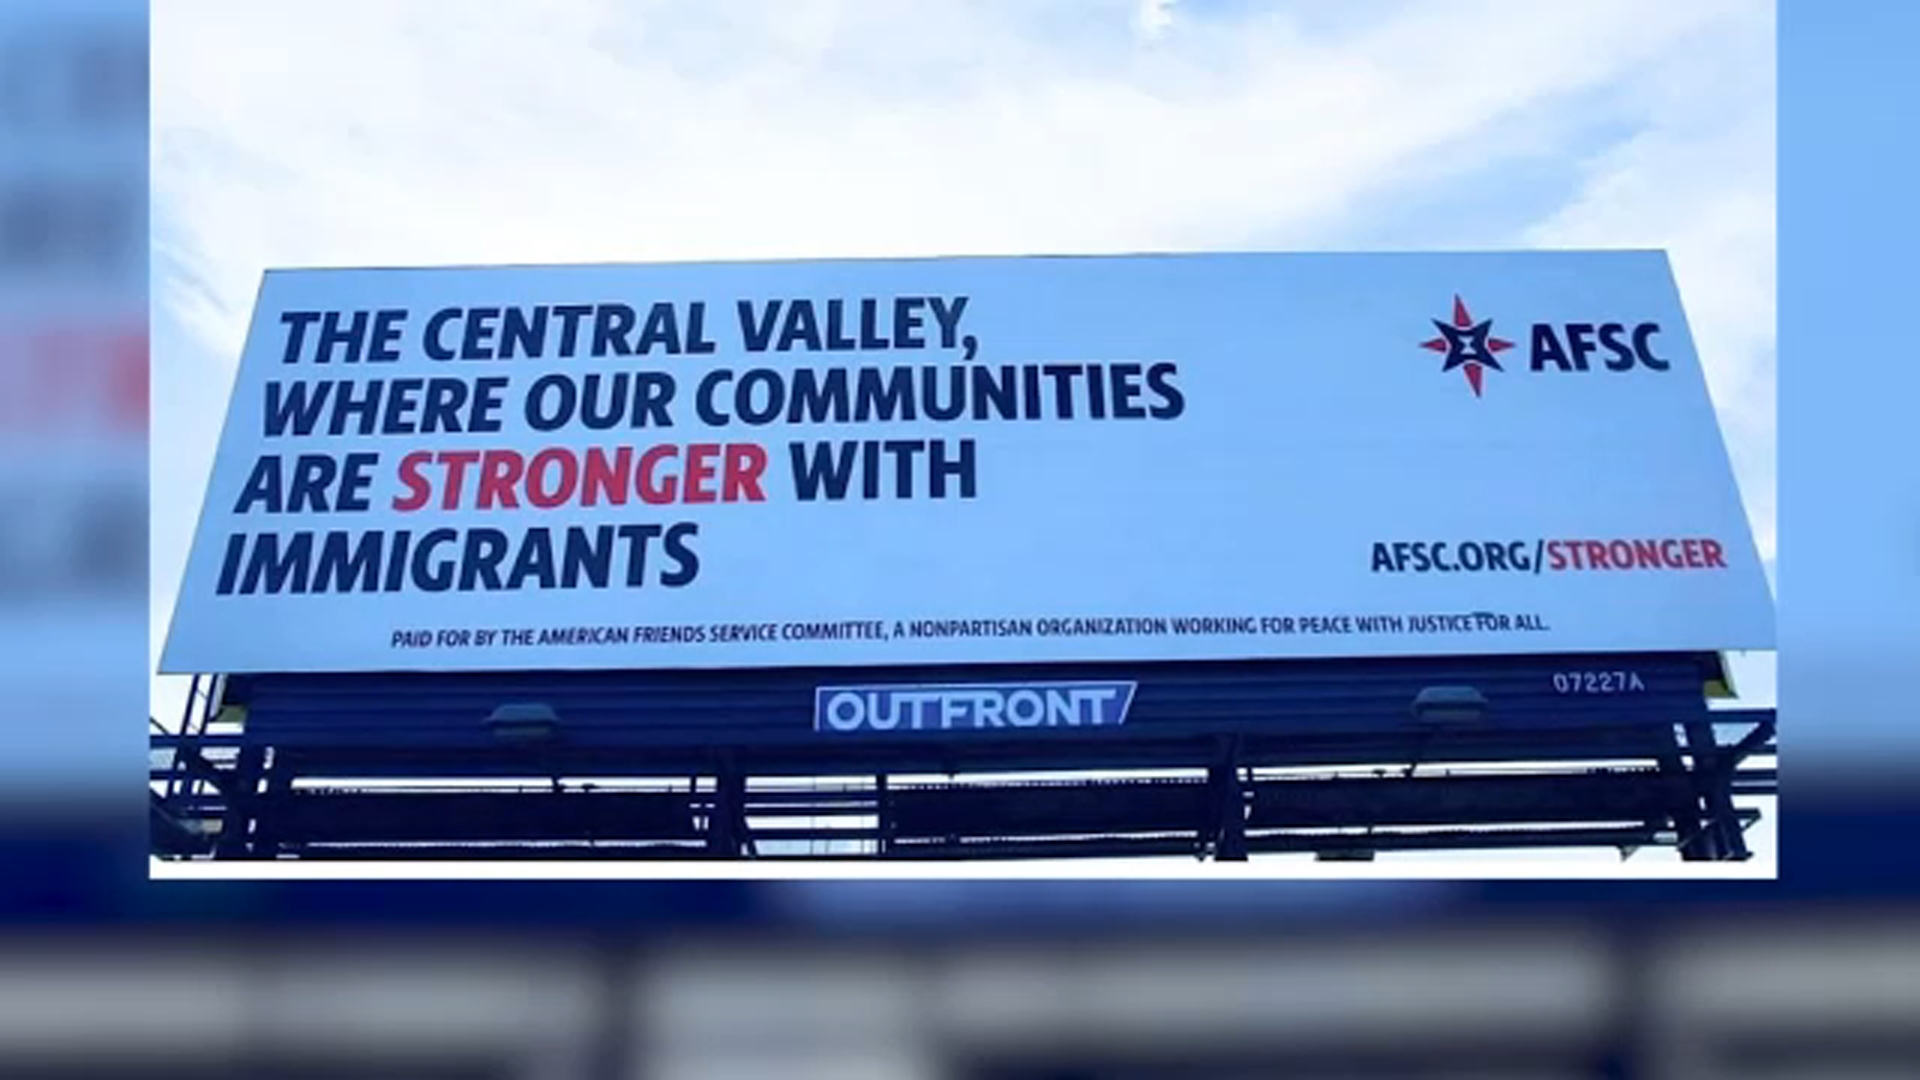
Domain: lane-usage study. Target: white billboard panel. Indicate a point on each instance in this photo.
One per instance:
(968, 460)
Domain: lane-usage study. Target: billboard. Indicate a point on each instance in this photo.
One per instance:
(967, 460)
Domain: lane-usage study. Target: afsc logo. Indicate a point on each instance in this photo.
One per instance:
(1470, 346)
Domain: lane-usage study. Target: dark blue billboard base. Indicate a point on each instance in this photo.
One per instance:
(1336, 759)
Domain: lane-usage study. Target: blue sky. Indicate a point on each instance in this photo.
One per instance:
(357, 132)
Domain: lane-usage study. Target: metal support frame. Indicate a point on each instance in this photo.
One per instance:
(1229, 826)
(236, 830)
(727, 833)
(198, 712)
(1224, 812)
(883, 816)
(276, 786)
(1692, 841)
(1713, 781)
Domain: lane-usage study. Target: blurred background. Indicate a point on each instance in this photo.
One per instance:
(1696, 997)
(73, 440)
(105, 974)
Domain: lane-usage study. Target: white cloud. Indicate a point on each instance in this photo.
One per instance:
(1153, 17)
(354, 132)
(1698, 180)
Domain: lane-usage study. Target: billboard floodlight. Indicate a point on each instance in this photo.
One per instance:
(1449, 705)
(524, 722)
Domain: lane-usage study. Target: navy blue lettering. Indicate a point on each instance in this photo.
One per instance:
(356, 476)
(430, 342)
(570, 318)
(682, 555)
(800, 327)
(611, 325)
(1002, 395)
(1580, 342)
(477, 342)
(876, 400)
(230, 564)
(276, 570)
(429, 576)
(484, 559)
(662, 329)
(446, 397)
(262, 486)
(312, 475)
(523, 333)
(397, 561)
(485, 550)
(1062, 376)
(744, 405)
(1547, 349)
(703, 398)
(956, 403)
(1620, 354)
(550, 402)
(534, 561)
(838, 339)
(599, 412)
(947, 315)
(402, 400)
(366, 407)
(297, 323)
(489, 397)
(352, 338)
(638, 399)
(940, 467)
(594, 560)
(818, 398)
(1643, 346)
(870, 469)
(386, 335)
(1096, 392)
(344, 569)
(757, 333)
(829, 466)
(907, 322)
(903, 451)
(1126, 389)
(652, 392)
(1380, 559)
(870, 336)
(1172, 402)
(296, 405)
(698, 344)
(636, 537)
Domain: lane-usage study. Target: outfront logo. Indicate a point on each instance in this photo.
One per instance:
(1571, 348)
(1470, 346)
(970, 707)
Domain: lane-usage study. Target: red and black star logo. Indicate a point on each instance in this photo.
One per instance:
(1468, 345)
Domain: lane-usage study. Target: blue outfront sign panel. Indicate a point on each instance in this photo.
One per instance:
(983, 707)
(977, 460)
